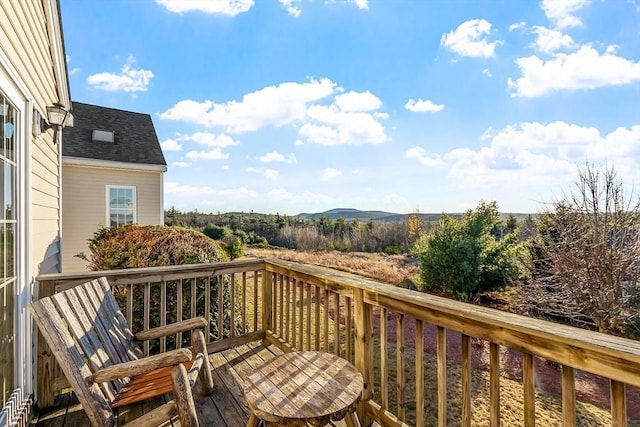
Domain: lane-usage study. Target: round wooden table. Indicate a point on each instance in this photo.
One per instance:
(304, 387)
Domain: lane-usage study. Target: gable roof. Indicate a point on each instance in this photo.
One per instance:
(135, 137)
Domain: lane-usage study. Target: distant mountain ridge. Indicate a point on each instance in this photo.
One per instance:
(351, 214)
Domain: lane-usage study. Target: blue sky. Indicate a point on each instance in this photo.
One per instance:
(290, 106)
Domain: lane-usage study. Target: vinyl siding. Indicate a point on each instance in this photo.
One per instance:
(84, 205)
(25, 46)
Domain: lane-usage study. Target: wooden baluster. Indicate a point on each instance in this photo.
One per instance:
(207, 308)
(348, 329)
(618, 404)
(441, 349)
(194, 298)
(301, 315)
(466, 380)
(274, 302)
(528, 380)
(129, 309)
(400, 383)
(267, 300)
(308, 319)
(294, 330)
(317, 319)
(336, 324)
(163, 313)
(232, 305)
(220, 307)
(179, 311)
(287, 310)
(255, 301)
(419, 373)
(364, 351)
(494, 384)
(326, 320)
(280, 299)
(568, 396)
(147, 309)
(384, 370)
(244, 303)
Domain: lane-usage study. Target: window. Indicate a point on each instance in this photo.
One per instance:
(8, 254)
(121, 206)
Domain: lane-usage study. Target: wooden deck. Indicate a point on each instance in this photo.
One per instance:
(225, 407)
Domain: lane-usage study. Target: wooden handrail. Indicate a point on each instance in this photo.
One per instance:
(309, 307)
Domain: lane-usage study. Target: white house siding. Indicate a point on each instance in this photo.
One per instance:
(24, 37)
(33, 75)
(84, 205)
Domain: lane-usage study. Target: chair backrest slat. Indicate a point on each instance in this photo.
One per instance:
(54, 326)
(110, 313)
(81, 326)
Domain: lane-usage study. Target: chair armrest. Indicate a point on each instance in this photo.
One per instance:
(141, 366)
(174, 328)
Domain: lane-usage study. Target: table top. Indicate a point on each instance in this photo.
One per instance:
(304, 386)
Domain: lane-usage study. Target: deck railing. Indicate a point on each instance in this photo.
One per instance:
(382, 329)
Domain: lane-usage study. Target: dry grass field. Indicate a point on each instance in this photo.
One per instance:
(399, 269)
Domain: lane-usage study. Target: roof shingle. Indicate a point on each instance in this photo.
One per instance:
(135, 137)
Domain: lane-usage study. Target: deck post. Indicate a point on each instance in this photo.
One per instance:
(46, 362)
(364, 351)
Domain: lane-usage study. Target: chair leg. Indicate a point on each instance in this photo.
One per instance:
(205, 377)
(184, 398)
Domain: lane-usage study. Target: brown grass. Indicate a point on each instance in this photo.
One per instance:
(393, 269)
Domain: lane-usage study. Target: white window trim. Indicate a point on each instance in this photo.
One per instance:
(19, 96)
(107, 219)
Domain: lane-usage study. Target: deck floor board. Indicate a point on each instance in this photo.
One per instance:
(225, 407)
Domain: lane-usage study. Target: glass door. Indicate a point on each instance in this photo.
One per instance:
(8, 253)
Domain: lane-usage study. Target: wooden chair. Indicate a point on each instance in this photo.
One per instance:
(97, 352)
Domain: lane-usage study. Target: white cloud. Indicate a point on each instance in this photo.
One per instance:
(517, 26)
(216, 7)
(330, 173)
(584, 69)
(486, 72)
(562, 12)
(215, 154)
(470, 39)
(362, 4)
(274, 156)
(352, 118)
(128, 80)
(539, 154)
(358, 101)
(293, 7)
(549, 41)
(279, 194)
(328, 125)
(189, 192)
(423, 106)
(74, 71)
(273, 105)
(425, 158)
(209, 139)
(271, 173)
(170, 145)
(181, 164)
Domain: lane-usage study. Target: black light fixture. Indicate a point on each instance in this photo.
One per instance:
(56, 118)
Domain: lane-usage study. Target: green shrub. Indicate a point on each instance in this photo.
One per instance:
(463, 258)
(234, 246)
(216, 232)
(137, 246)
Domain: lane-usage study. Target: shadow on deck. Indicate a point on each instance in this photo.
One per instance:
(225, 407)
